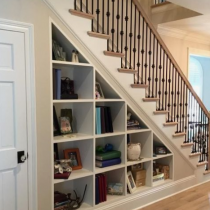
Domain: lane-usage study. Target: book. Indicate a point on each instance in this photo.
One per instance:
(96, 190)
(54, 85)
(106, 163)
(58, 83)
(104, 187)
(110, 119)
(64, 207)
(106, 120)
(98, 126)
(69, 96)
(103, 129)
(65, 175)
(108, 155)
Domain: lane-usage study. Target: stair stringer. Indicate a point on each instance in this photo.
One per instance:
(110, 65)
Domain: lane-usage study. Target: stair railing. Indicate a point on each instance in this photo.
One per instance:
(133, 34)
(159, 1)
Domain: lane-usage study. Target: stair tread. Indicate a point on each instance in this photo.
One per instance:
(81, 14)
(195, 154)
(179, 134)
(129, 71)
(114, 54)
(150, 99)
(98, 35)
(139, 86)
(202, 163)
(161, 112)
(206, 172)
(170, 123)
(187, 144)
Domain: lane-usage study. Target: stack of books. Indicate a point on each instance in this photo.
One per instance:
(60, 201)
(133, 125)
(100, 188)
(105, 159)
(103, 120)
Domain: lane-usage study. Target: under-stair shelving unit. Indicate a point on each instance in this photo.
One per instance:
(84, 136)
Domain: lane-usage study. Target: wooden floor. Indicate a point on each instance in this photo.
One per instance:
(197, 198)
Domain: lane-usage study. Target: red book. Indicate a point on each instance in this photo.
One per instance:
(105, 187)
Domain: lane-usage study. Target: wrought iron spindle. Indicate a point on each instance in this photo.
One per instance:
(134, 42)
(86, 6)
(156, 76)
(126, 35)
(177, 103)
(163, 80)
(97, 12)
(160, 72)
(153, 68)
(113, 28)
(118, 18)
(131, 34)
(150, 54)
(138, 37)
(75, 4)
(103, 7)
(142, 53)
(92, 14)
(108, 15)
(146, 52)
(81, 5)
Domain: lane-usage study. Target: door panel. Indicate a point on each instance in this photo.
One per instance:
(13, 123)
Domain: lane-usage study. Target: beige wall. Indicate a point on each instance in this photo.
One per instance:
(179, 49)
(37, 13)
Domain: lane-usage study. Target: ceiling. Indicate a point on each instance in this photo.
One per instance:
(199, 25)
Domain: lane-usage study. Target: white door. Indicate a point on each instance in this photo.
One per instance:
(13, 129)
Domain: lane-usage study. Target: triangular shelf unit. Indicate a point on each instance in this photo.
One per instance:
(85, 136)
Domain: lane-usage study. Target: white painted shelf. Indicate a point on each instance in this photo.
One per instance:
(68, 63)
(73, 101)
(162, 156)
(76, 174)
(109, 168)
(130, 163)
(108, 100)
(138, 131)
(115, 133)
(71, 137)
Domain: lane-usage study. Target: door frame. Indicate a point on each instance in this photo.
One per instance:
(28, 31)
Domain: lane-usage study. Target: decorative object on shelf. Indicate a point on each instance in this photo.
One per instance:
(74, 156)
(98, 91)
(68, 113)
(137, 167)
(58, 52)
(139, 177)
(56, 127)
(65, 125)
(130, 182)
(62, 169)
(107, 148)
(75, 56)
(65, 202)
(165, 169)
(160, 150)
(132, 124)
(115, 189)
(133, 151)
(158, 178)
(67, 89)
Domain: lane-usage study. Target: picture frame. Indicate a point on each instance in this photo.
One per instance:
(56, 127)
(74, 155)
(68, 113)
(160, 150)
(58, 51)
(98, 91)
(130, 182)
(65, 126)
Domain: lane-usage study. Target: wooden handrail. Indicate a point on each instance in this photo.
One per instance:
(158, 37)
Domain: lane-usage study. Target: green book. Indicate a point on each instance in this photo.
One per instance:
(108, 155)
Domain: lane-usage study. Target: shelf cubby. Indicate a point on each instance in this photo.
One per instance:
(82, 77)
(78, 185)
(82, 117)
(117, 115)
(108, 91)
(65, 44)
(118, 143)
(115, 176)
(86, 153)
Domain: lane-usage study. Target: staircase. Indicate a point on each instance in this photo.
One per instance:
(147, 70)
(145, 55)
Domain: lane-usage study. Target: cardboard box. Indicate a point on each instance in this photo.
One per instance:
(140, 182)
(140, 174)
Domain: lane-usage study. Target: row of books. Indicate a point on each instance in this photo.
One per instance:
(63, 87)
(60, 201)
(103, 120)
(100, 188)
(133, 125)
(105, 159)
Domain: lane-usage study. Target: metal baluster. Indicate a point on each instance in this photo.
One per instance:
(97, 12)
(142, 53)
(160, 69)
(81, 5)
(87, 6)
(113, 29)
(139, 36)
(169, 91)
(172, 92)
(122, 33)
(92, 14)
(150, 53)
(103, 6)
(75, 4)
(118, 18)
(108, 14)
(166, 82)
(130, 35)
(146, 51)
(156, 79)
(163, 81)
(177, 93)
(153, 68)
(134, 47)
(126, 35)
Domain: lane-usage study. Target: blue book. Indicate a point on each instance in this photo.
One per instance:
(98, 115)
(96, 191)
(58, 83)
(106, 163)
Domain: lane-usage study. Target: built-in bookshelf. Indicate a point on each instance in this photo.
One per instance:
(84, 135)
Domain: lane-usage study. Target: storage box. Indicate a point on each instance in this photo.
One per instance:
(140, 182)
(139, 174)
